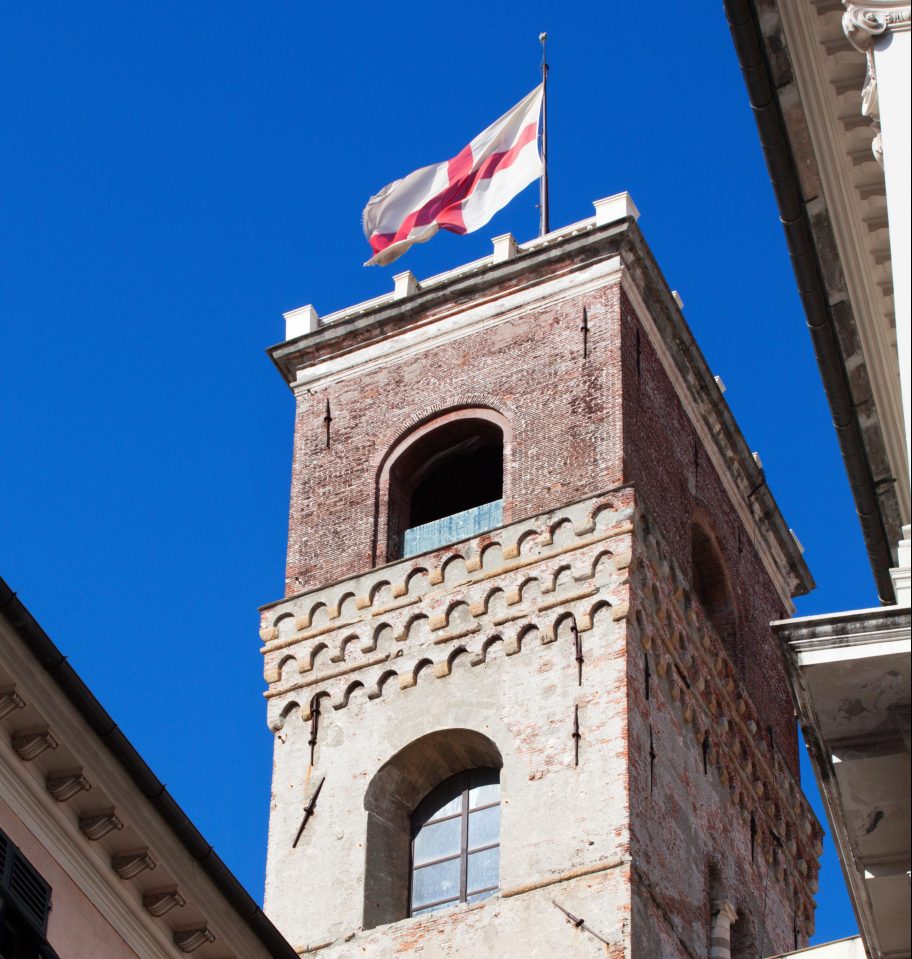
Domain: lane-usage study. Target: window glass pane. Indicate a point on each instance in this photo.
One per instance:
(430, 883)
(478, 896)
(439, 840)
(447, 809)
(484, 827)
(482, 795)
(483, 869)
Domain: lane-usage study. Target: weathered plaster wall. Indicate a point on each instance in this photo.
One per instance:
(558, 818)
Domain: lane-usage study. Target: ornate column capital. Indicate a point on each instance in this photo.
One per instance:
(863, 22)
(724, 910)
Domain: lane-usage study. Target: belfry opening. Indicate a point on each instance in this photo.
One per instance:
(445, 486)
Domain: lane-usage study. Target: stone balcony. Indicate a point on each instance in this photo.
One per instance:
(524, 582)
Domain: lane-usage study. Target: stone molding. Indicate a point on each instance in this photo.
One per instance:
(97, 825)
(504, 589)
(702, 682)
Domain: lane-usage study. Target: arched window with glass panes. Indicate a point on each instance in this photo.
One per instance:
(456, 842)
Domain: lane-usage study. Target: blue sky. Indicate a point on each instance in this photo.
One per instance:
(176, 176)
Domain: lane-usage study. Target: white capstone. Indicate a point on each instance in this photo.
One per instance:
(301, 321)
(504, 247)
(404, 284)
(614, 208)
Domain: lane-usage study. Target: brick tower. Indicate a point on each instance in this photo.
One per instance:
(525, 697)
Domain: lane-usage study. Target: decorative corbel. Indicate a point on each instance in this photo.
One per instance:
(162, 901)
(862, 24)
(128, 865)
(187, 940)
(30, 744)
(97, 825)
(64, 786)
(10, 700)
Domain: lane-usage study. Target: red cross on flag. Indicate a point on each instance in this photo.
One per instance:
(462, 194)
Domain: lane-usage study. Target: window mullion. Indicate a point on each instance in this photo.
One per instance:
(464, 857)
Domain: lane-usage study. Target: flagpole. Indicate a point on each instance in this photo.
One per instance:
(543, 225)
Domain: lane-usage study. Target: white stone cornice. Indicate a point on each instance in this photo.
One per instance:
(863, 22)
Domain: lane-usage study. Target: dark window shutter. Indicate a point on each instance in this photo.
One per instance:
(22, 886)
(5, 847)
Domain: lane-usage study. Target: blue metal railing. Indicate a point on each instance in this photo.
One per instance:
(449, 529)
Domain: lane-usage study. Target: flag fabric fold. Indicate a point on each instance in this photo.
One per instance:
(462, 194)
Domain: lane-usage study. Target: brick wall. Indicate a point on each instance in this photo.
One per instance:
(565, 416)
(715, 814)
(675, 481)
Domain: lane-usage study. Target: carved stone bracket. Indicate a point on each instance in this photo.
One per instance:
(30, 744)
(128, 865)
(64, 786)
(187, 940)
(10, 700)
(97, 825)
(863, 23)
(162, 901)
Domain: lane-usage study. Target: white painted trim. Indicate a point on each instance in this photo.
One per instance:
(824, 619)
(807, 52)
(853, 650)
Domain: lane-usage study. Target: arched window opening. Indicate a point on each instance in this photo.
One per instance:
(451, 775)
(711, 585)
(456, 842)
(446, 486)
